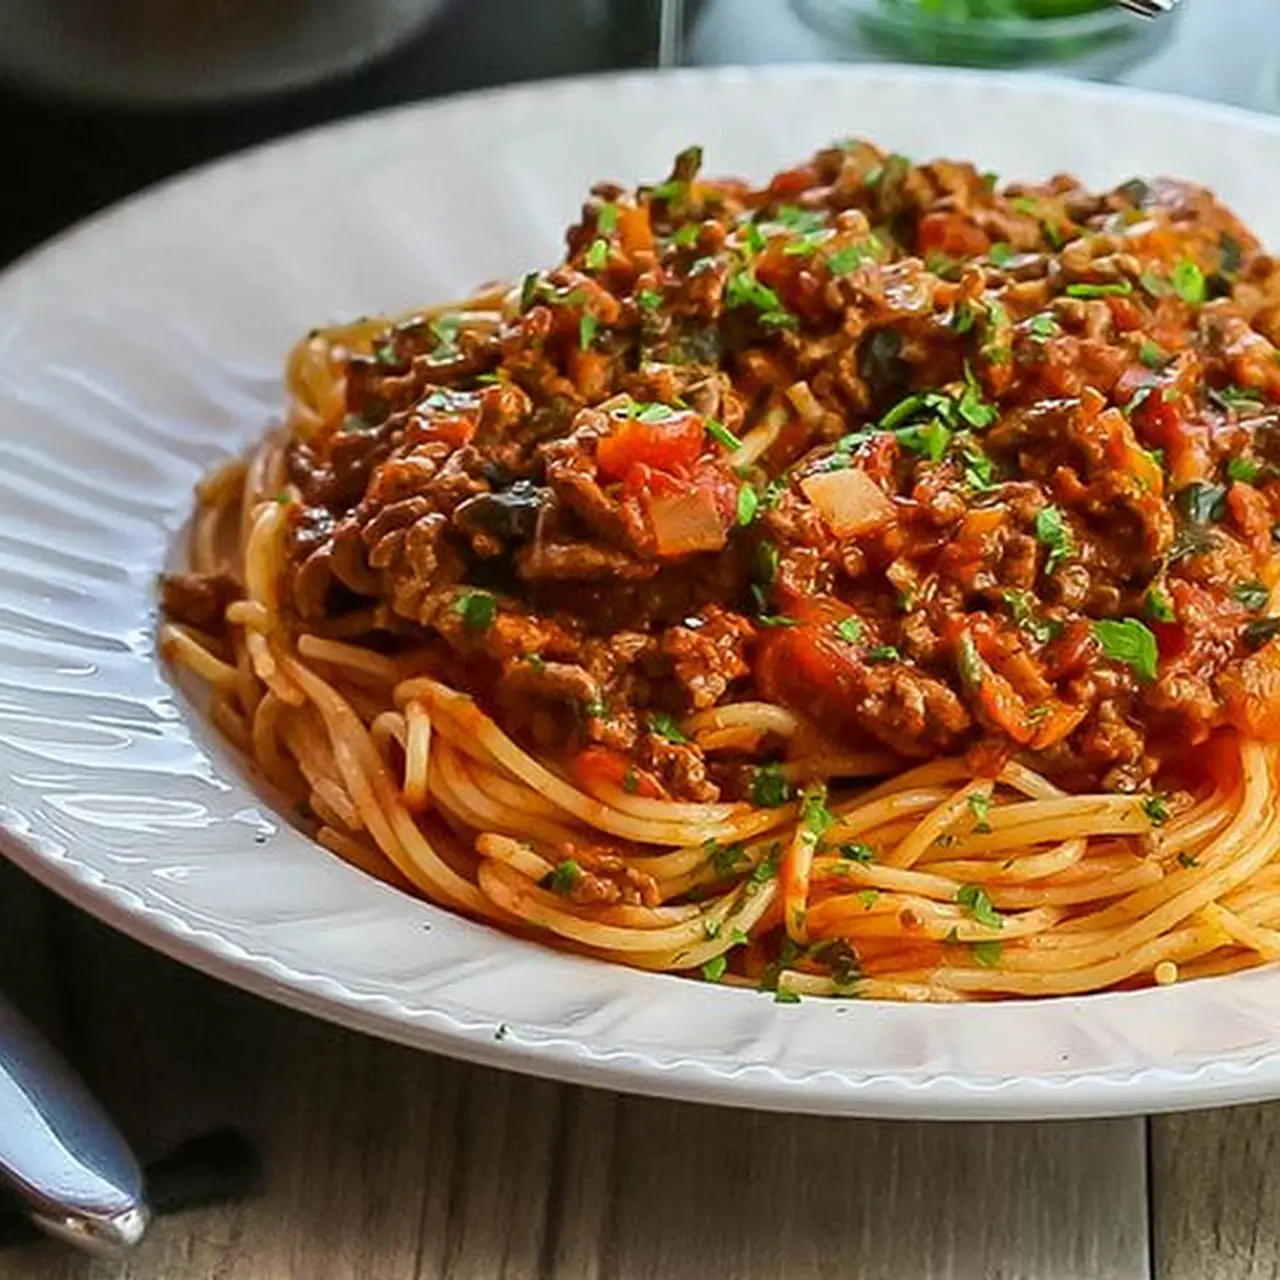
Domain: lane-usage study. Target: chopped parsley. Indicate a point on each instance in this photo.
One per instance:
(1157, 605)
(868, 898)
(971, 407)
(1201, 503)
(587, 326)
(1001, 253)
(687, 236)
(963, 317)
(744, 290)
(651, 412)
(1130, 642)
(882, 653)
(776, 620)
(979, 470)
(857, 851)
(849, 630)
(1156, 807)
(1237, 398)
(597, 255)
(975, 899)
(1022, 609)
(930, 439)
(714, 969)
(607, 219)
(1150, 354)
(563, 878)
(784, 995)
(1189, 283)
(1044, 326)
(1252, 595)
(1260, 631)
(649, 299)
(664, 725)
(988, 954)
(1186, 860)
(980, 807)
(845, 260)
(769, 787)
(815, 817)
(477, 609)
(1115, 288)
(748, 505)
(722, 435)
(529, 290)
(725, 859)
(803, 221)
(1244, 470)
(767, 868)
(1053, 532)
(631, 781)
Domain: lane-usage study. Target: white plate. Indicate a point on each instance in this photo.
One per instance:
(147, 345)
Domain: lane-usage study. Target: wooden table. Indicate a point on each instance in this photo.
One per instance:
(382, 1164)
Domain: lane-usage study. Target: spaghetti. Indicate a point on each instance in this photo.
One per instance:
(859, 585)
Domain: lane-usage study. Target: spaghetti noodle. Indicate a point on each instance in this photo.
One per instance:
(858, 585)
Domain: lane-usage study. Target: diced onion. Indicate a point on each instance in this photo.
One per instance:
(848, 500)
(686, 522)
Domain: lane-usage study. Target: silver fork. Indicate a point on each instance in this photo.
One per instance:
(1149, 8)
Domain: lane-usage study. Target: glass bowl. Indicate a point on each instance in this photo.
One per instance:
(1092, 38)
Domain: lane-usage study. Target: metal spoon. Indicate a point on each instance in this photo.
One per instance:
(1149, 8)
(60, 1152)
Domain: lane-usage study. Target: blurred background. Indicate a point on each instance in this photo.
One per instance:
(101, 97)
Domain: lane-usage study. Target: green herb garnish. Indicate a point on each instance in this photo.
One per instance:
(1252, 595)
(849, 630)
(1157, 605)
(1115, 288)
(975, 899)
(665, 726)
(980, 807)
(1130, 642)
(1156, 807)
(477, 609)
(1053, 532)
(722, 435)
(882, 653)
(1189, 283)
(563, 878)
(769, 787)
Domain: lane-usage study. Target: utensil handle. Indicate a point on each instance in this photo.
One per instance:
(60, 1152)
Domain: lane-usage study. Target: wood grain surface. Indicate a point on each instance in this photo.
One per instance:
(381, 1163)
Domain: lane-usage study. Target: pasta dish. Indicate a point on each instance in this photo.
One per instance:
(859, 584)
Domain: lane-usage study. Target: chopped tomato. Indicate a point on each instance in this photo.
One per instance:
(598, 765)
(1252, 693)
(635, 231)
(1250, 513)
(1164, 426)
(812, 667)
(454, 429)
(952, 234)
(644, 482)
(667, 443)
(791, 182)
(1125, 314)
